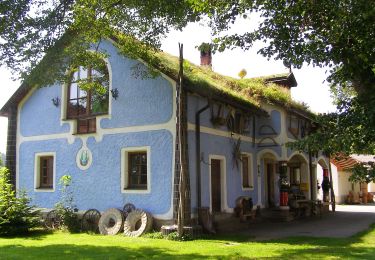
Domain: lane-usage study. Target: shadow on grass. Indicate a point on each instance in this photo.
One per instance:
(88, 252)
(314, 247)
(349, 247)
(359, 246)
(34, 234)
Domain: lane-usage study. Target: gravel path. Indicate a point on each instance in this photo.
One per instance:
(345, 222)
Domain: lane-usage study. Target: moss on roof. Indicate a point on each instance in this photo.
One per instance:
(252, 91)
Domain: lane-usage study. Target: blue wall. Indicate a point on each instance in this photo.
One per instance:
(217, 145)
(141, 102)
(99, 186)
(39, 116)
(274, 120)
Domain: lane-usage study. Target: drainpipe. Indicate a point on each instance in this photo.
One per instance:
(198, 151)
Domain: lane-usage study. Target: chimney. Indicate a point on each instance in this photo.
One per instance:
(206, 54)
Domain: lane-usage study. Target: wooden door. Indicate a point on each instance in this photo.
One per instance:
(215, 185)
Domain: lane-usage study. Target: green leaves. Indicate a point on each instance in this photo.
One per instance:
(64, 29)
(363, 173)
(16, 213)
(335, 33)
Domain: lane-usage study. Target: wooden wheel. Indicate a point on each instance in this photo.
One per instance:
(127, 209)
(90, 220)
(53, 221)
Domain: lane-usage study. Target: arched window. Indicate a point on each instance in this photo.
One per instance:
(88, 96)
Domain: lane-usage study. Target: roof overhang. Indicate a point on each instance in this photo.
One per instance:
(347, 162)
(286, 80)
(14, 100)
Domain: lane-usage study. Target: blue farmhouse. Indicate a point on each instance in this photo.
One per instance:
(118, 142)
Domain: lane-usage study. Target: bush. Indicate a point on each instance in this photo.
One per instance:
(175, 237)
(16, 214)
(65, 208)
(154, 235)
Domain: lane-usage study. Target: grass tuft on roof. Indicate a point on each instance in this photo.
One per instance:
(252, 90)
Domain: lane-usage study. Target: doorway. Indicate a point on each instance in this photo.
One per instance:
(216, 185)
(270, 184)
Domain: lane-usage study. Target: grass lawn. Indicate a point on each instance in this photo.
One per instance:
(61, 245)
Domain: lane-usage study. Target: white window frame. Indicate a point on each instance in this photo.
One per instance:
(250, 172)
(37, 172)
(124, 168)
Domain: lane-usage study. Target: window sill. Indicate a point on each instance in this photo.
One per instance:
(44, 190)
(129, 190)
(248, 188)
(88, 133)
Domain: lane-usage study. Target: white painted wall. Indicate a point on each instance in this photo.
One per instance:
(371, 187)
(319, 177)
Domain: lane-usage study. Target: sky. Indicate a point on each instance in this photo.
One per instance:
(311, 87)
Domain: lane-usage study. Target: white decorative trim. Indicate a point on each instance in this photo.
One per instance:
(222, 133)
(19, 136)
(124, 167)
(300, 154)
(86, 150)
(70, 137)
(262, 152)
(260, 156)
(223, 181)
(250, 172)
(37, 172)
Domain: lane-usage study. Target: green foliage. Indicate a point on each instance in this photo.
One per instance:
(349, 131)
(65, 208)
(336, 34)
(171, 236)
(61, 245)
(205, 47)
(154, 235)
(31, 29)
(1, 160)
(16, 214)
(363, 173)
(176, 237)
(252, 91)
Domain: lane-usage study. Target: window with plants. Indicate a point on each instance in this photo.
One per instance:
(88, 95)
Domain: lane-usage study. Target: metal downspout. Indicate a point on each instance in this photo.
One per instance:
(198, 151)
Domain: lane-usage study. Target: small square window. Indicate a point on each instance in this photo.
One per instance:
(44, 172)
(135, 170)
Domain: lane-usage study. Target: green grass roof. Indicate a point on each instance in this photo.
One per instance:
(253, 91)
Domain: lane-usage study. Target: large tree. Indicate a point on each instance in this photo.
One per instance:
(339, 34)
(66, 28)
